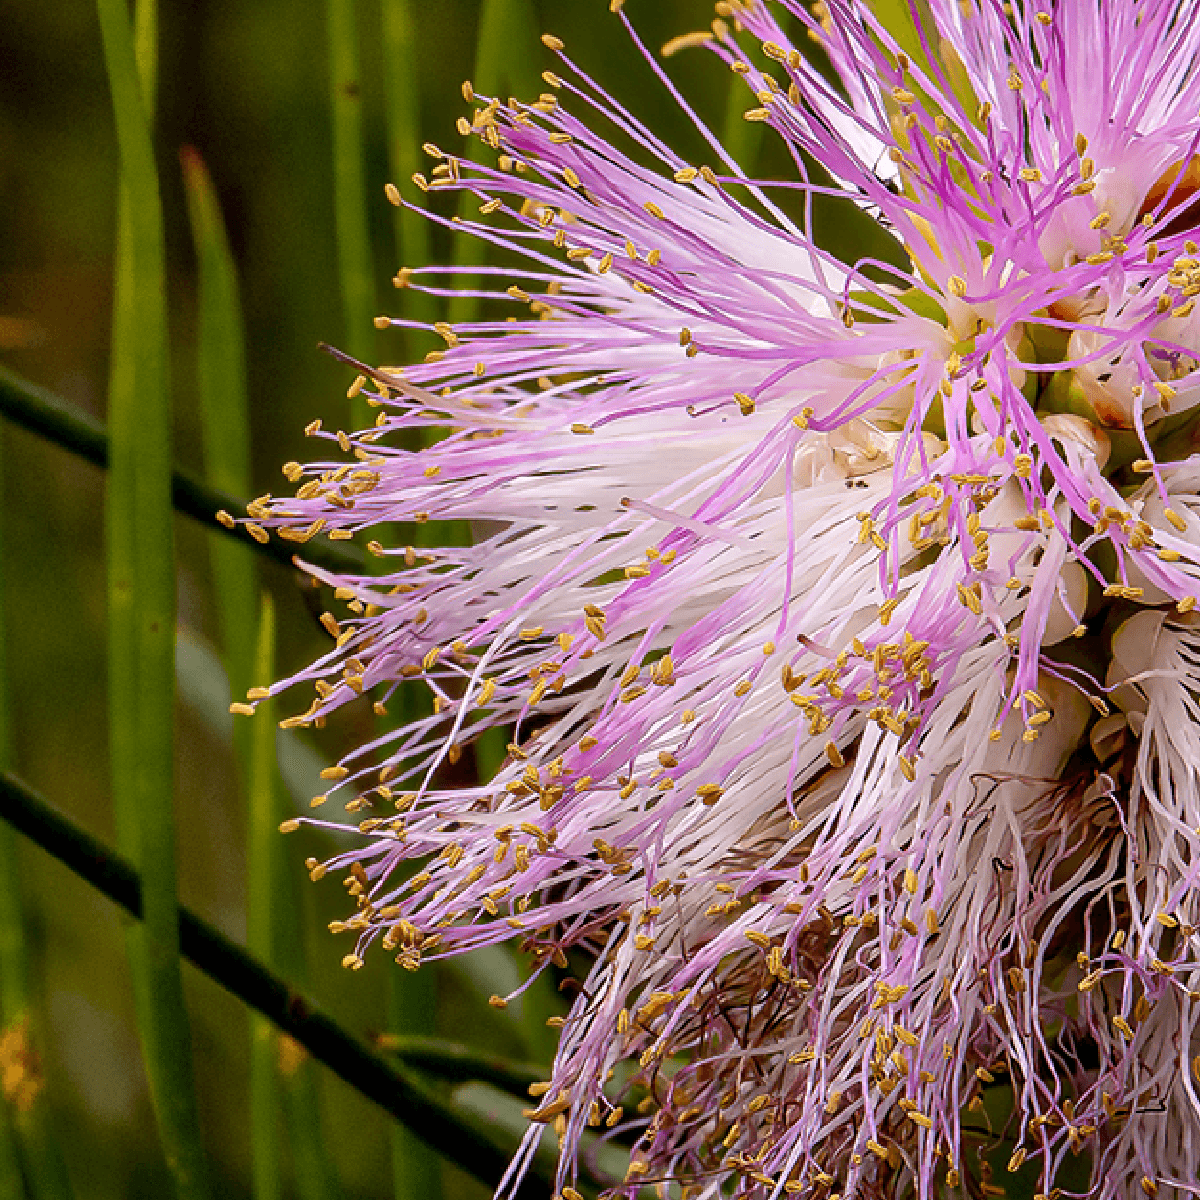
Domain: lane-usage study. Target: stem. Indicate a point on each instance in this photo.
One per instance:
(316, 1178)
(412, 1004)
(26, 1136)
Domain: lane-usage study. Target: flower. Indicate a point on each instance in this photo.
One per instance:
(844, 614)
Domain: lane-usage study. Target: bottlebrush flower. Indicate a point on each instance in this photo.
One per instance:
(844, 614)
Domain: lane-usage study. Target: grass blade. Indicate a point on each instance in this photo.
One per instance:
(225, 424)
(76, 430)
(349, 190)
(262, 901)
(412, 1005)
(224, 413)
(314, 1173)
(12, 927)
(12, 1183)
(506, 53)
(139, 521)
(278, 1077)
(315, 1177)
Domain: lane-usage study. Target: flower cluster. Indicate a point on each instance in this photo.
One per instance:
(843, 614)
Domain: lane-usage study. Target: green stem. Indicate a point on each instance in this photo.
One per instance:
(400, 1092)
(261, 939)
(224, 411)
(459, 1062)
(145, 54)
(349, 190)
(315, 1176)
(142, 599)
(77, 431)
(225, 422)
(12, 925)
(12, 1182)
(28, 1146)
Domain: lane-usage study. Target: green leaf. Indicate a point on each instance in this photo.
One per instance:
(141, 592)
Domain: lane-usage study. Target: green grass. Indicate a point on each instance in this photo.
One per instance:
(141, 566)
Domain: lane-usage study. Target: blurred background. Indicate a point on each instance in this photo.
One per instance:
(246, 82)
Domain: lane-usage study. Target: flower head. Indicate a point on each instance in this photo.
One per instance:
(843, 613)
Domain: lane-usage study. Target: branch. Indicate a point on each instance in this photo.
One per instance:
(59, 421)
(403, 1094)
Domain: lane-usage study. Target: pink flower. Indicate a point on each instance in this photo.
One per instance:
(843, 614)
